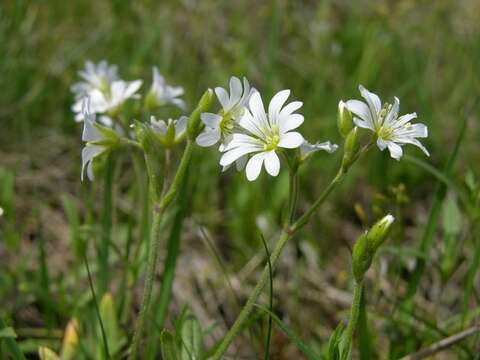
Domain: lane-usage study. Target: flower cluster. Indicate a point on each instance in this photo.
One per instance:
(250, 136)
(101, 92)
(245, 132)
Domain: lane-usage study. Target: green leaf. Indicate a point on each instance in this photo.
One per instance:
(452, 217)
(47, 354)
(192, 338)
(8, 332)
(110, 321)
(334, 343)
(169, 347)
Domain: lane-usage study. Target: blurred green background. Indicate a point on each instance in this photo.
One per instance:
(425, 52)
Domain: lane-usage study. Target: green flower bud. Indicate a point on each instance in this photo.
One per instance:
(194, 123)
(150, 101)
(143, 134)
(344, 119)
(380, 231)
(350, 149)
(109, 137)
(367, 245)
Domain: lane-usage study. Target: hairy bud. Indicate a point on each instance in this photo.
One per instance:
(344, 119)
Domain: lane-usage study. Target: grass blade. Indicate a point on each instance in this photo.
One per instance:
(97, 310)
(304, 348)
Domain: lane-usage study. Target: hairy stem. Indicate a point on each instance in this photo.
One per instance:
(159, 209)
(352, 322)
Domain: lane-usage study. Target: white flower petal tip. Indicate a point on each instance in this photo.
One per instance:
(260, 134)
(392, 131)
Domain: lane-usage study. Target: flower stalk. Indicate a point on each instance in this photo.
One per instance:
(160, 205)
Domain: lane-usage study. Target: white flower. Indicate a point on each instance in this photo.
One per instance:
(98, 140)
(219, 127)
(392, 131)
(307, 149)
(169, 132)
(162, 93)
(265, 134)
(108, 101)
(95, 76)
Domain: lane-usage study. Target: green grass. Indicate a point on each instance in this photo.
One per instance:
(426, 53)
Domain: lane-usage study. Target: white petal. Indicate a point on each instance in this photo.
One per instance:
(402, 120)
(382, 144)
(276, 105)
(132, 88)
(254, 166)
(208, 137)
(290, 122)
(88, 153)
(291, 140)
(290, 108)
(179, 103)
(241, 162)
(235, 91)
(416, 143)
(396, 151)
(363, 124)
(211, 120)
(360, 109)
(222, 96)
(249, 123)
(232, 155)
(372, 100)
(181, 125)
(393, 113)
(272, 163)
(258, 111)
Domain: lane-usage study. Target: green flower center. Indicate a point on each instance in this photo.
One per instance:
(272, 139)
(227, 123)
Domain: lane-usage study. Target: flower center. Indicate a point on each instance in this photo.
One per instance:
(227, 123)
(385, 132)
(272, 139)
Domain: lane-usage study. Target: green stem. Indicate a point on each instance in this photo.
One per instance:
(159, 209)
(305, 218)
(104, 249)
(352, 323)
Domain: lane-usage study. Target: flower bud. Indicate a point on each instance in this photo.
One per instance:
(70, 340)
(194, 123)
(350, 149)
(380, 231)
(367, 245)
(344, 119)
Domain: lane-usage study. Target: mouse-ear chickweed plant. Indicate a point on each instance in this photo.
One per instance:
(245, 133)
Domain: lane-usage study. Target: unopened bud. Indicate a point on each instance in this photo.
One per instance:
(194, 123)
(350, 149)
(380, 231)
(70, 341)
(367, 245)
(344, 119)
